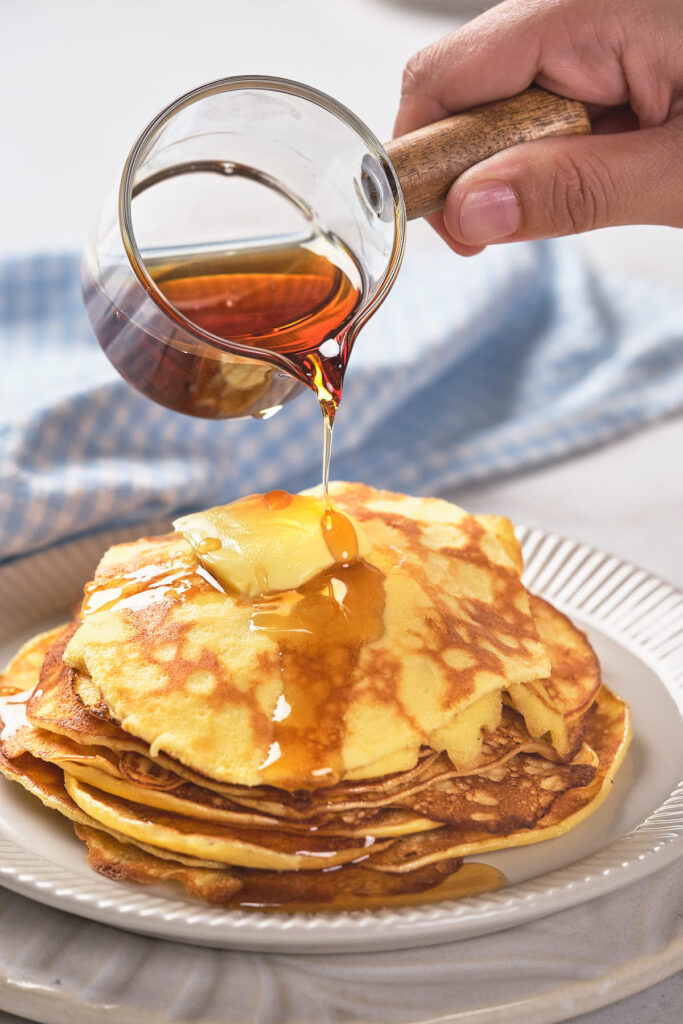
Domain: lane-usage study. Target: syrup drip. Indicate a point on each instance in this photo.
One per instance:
(207, 545)
(340, 536)
(328, 426)
(338, 530)
(320, 631)
(13, 714)
(146, 586)
(277, 500)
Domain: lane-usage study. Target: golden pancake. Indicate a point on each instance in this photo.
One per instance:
(123, 861)
(434, 620)
(46, 781)
(491, 803)
(348, 888)
(575, 679)
(59, 750)
(23, 670)
(53, 707)
(524, 790)
(248, 847)
(608, 734)
(500, 745)
(344, 810)
(54, 711)
(522, 796)
(193, 802)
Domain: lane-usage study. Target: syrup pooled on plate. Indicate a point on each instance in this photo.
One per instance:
(353, 888)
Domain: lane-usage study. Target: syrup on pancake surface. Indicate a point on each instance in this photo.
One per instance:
(386, 718)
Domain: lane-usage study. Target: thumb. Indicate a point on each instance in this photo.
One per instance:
(562, 186)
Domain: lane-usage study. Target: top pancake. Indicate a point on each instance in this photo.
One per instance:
(346, 677)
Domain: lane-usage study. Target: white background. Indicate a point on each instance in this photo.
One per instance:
(80, 78)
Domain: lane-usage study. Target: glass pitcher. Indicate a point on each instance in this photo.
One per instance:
(247, 210)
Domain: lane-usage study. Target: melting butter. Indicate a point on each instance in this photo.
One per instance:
(272, 542)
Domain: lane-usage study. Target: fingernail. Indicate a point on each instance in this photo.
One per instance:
(489, 212)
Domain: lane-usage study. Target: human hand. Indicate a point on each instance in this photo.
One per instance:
(623, 58)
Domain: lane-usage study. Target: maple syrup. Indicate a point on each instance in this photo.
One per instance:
(338, 530)
(157, 582)
(295, 299)
(277, 500)
(320, 631)
(340, 536)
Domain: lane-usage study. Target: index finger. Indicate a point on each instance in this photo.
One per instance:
(502, 52)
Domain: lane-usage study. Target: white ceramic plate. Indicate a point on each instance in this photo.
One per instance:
(636, 624)
(57, 969)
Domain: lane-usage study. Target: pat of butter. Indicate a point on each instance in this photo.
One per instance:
(271, 542)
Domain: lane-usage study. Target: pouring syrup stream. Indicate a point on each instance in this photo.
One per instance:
(297, 301)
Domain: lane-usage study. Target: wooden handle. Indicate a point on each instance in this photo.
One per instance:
(429, 160)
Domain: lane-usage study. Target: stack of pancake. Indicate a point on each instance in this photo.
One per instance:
(343, 744)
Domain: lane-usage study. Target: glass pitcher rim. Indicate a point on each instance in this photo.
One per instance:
(273, 84)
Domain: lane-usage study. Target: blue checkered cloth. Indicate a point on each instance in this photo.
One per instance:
(471, 369)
